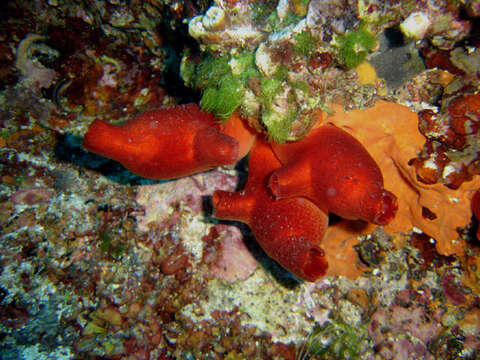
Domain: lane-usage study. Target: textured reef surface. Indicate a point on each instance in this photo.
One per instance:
(292, 179)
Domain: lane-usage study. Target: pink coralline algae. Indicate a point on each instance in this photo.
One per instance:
(177, 260)
(410, 329)
(158, 200)
(452, 290)
(32, 196)
(229, 259)
(169, 203)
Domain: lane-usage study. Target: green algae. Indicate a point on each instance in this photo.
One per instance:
(354, 46)
(276, 119)
(305, 43)
(222, 81)
(264, 11)
(224, 98)
(270, 88)
(110, 247)
(278, 124)
(334, 340)
(210, 71)
(231, 82)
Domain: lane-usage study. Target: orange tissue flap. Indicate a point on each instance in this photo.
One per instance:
(238, 128)
(289, 230)
(331, 168)
(167, 143)
(390, 133)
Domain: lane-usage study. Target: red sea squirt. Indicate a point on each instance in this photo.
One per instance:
(289, 230)
(290, 188)
(333, 169)
(166, 143)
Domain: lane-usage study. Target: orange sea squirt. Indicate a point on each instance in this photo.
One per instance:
(289, 230)
(170, 143)
(332, 169)
(183, 140)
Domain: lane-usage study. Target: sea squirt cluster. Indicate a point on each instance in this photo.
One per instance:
(329, 171)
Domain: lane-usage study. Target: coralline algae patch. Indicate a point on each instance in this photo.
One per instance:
(265, 305)
(160, 200)
(286, 314)
(229, 259)
(177, 207)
